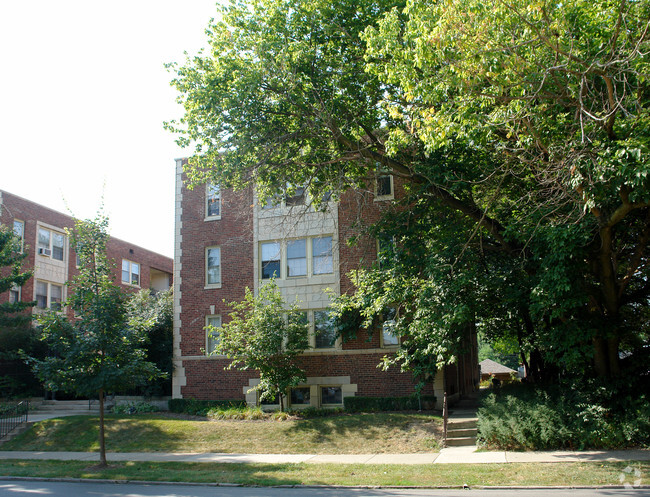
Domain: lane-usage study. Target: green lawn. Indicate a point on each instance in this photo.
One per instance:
(345, 434)
(431, 475)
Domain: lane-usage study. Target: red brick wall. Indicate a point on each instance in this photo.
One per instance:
(233, 233)
(206, 378)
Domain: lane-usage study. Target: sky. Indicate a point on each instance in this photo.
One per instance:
(83, 96)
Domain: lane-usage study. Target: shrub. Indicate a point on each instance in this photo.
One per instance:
(315, 412)
(201, 407)
(370, 404)
(574, 415)
(236, 412)
(135, 408)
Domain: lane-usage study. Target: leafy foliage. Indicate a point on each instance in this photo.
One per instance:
(96, 352)
(201, 407)
(572, 415)
(520, 133)
(152, 315)
(135, 408)
(11, 259)
(264, 335)
(370, 404)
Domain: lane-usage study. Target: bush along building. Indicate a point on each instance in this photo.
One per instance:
(226, 241)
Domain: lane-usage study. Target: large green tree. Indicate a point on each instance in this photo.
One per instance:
(521, 133)
(96, 351)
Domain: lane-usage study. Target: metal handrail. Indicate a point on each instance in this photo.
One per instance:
(12, 417)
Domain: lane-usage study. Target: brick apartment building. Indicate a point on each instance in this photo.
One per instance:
(225, 241)
(49, 255)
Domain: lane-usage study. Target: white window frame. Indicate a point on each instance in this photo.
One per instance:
(21, 235)
(209, 347)
(49, 250)
(210, 193)
(385, 329)
(280, 253)
(283, 254)
(129, 270)
(15, 290)
(304, 256)
(48, 295)
(213, 284)
(385, 196)
(314, 256)
(313, 333)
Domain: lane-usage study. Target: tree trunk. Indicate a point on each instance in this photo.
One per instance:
(102, 445)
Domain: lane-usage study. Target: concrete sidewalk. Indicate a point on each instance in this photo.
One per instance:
(452, 455)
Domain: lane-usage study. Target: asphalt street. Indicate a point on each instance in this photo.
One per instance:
(32, 488)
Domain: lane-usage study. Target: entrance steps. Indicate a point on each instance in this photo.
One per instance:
(462, 422)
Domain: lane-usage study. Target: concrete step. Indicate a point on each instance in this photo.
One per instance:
(461, 441)
(459, 424)
(462, 432)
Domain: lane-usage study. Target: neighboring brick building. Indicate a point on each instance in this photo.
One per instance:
(225, 241)
(53, 261)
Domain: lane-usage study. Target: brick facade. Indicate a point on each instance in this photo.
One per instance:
(155, 270)
(239, 231)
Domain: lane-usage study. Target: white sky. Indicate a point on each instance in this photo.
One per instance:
(83, 94)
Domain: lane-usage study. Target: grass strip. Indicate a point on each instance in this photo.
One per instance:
(578, 474)
(375, 433)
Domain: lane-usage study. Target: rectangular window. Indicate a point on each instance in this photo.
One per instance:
(299, 317)
(41, 295)
(56, 296)
(271, 260)
(49, 295)
(324, 332)
(213, 201)
(51, 244)
(213, 265)
(385, 186)
(14, 295)
(385, 250)
(300, 396)
(331, 395)
(297, 258)
(322, 255)
(44, 242)
(58, 241)
(213, 323)
(19, 231)
(130, 273)
(388, 328)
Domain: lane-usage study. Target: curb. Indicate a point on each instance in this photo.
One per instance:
(361, 487)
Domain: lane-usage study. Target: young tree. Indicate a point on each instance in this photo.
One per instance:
(521, 132)
(96, 352)
(264, 335)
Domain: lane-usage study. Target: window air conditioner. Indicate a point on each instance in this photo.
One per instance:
(45, 251)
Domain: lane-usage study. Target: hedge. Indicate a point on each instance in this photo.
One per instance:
(368, 404)
(201, 407)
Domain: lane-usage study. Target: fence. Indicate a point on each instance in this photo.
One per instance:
(12, 416)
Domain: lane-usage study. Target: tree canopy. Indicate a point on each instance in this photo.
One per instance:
(520, 131)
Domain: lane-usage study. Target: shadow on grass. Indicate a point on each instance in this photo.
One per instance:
(368, 427)
(81, 434)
